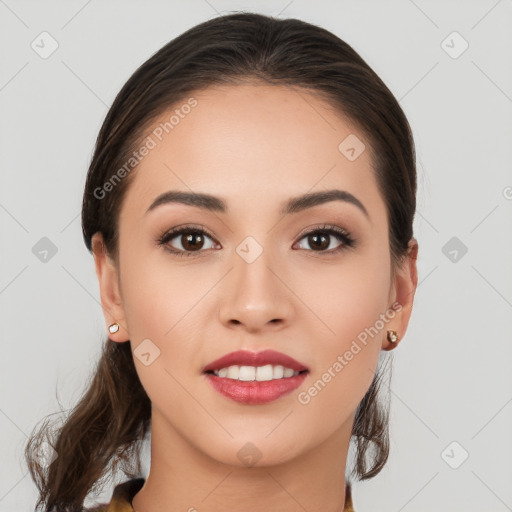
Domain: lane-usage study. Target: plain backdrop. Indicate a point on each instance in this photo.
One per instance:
(449, 65)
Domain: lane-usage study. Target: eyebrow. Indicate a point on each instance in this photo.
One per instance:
(293, 205)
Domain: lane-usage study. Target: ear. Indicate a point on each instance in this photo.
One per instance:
(402, 293)
(108, 279)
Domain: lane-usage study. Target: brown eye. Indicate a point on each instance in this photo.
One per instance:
(187, 240)
(192, 242)
(184, 241)
(320, 240)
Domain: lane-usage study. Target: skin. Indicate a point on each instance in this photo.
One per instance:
(255, 146)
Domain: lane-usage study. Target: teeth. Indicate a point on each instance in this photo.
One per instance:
(278, 372)
(247, 373)
(259, 373)
(288, 372)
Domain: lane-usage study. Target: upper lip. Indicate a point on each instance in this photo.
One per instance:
(246, 358)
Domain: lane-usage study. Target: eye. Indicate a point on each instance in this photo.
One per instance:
(189, 240)
(321, 238)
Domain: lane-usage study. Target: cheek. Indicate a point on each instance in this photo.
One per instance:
(164, 302)
(348, 297)
(158, 293)
(161, 300)
(345, 365)
(350, 300)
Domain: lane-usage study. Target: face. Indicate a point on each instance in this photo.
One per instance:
(252, 277)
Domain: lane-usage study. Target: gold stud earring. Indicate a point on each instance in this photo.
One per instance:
(113, 328)
(392, 336)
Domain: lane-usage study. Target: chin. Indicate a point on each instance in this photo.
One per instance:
(258, 450)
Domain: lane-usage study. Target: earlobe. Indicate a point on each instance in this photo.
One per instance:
(108, 280)
(405, 283)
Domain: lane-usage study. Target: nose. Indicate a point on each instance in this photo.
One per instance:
(255, 297)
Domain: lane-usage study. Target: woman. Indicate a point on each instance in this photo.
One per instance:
(249, 207)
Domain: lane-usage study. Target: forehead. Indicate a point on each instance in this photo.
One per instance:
(252, 143)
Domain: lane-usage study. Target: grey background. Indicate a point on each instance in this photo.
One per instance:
(452, 373)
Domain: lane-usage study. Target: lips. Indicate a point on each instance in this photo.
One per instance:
(246, 358)
(254, 392)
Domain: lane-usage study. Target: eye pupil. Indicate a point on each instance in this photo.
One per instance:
(189, 240)
(321, 245)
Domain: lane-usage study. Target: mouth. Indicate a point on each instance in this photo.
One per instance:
(255, 377)
(255, 373)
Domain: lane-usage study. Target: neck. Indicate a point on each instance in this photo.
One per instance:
(182, 477)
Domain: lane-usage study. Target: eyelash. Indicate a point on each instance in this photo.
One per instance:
(339, 233)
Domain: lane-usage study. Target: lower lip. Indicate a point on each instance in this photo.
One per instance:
(255, 392)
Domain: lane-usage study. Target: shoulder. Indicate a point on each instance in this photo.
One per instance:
(122, 496)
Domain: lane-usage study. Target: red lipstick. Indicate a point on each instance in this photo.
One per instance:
(253, 391)
(246, 358)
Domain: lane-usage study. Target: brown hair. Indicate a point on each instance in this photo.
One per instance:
(104, 429)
